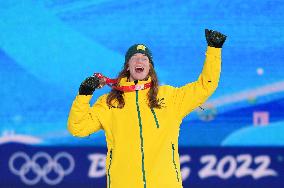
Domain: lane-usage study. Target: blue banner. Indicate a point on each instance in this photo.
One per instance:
(38, 166)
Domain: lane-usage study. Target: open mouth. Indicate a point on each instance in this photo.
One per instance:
(139, 69)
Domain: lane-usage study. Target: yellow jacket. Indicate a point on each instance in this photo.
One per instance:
(142, 142)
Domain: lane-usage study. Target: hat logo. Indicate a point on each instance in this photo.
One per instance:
(141, 47)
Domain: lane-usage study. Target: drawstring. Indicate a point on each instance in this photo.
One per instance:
(155, 117)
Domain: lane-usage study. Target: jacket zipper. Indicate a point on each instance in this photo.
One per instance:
(108, 171)
(174, 163)
(141, 139)
(155, 117)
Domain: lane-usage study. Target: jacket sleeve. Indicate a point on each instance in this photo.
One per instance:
(84, 120)
(192, 95)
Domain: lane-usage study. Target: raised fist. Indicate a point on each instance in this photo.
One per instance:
(215, 38)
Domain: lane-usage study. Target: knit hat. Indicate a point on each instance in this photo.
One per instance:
(139, 48)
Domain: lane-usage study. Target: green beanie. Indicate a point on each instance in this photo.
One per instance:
(139, 48)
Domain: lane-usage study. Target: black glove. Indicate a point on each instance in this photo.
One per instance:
(214, 38)
(89, 85)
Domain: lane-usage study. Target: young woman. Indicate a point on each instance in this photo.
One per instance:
(141, 119)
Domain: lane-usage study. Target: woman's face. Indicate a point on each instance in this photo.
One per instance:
(138, 66)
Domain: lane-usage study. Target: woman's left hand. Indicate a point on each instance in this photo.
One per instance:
(214, 38)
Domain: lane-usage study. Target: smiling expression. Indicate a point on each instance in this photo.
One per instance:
(138, 66)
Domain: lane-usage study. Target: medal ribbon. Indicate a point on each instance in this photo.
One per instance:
(112, 83)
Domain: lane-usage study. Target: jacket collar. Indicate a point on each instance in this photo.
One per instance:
(124, 82)
(126, 86)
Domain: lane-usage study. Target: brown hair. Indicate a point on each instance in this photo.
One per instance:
(117, 96)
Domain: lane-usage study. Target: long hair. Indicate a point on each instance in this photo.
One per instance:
(117, 96)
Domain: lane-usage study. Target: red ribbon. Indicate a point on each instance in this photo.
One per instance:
(112, 83)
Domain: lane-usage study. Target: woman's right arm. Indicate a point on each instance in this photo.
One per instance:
(84, 120)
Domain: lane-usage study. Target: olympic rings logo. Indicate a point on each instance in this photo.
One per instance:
(41, 171)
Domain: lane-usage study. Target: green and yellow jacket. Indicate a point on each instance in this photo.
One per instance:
(142, 142)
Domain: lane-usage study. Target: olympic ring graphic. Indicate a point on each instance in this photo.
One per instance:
(41, 171)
